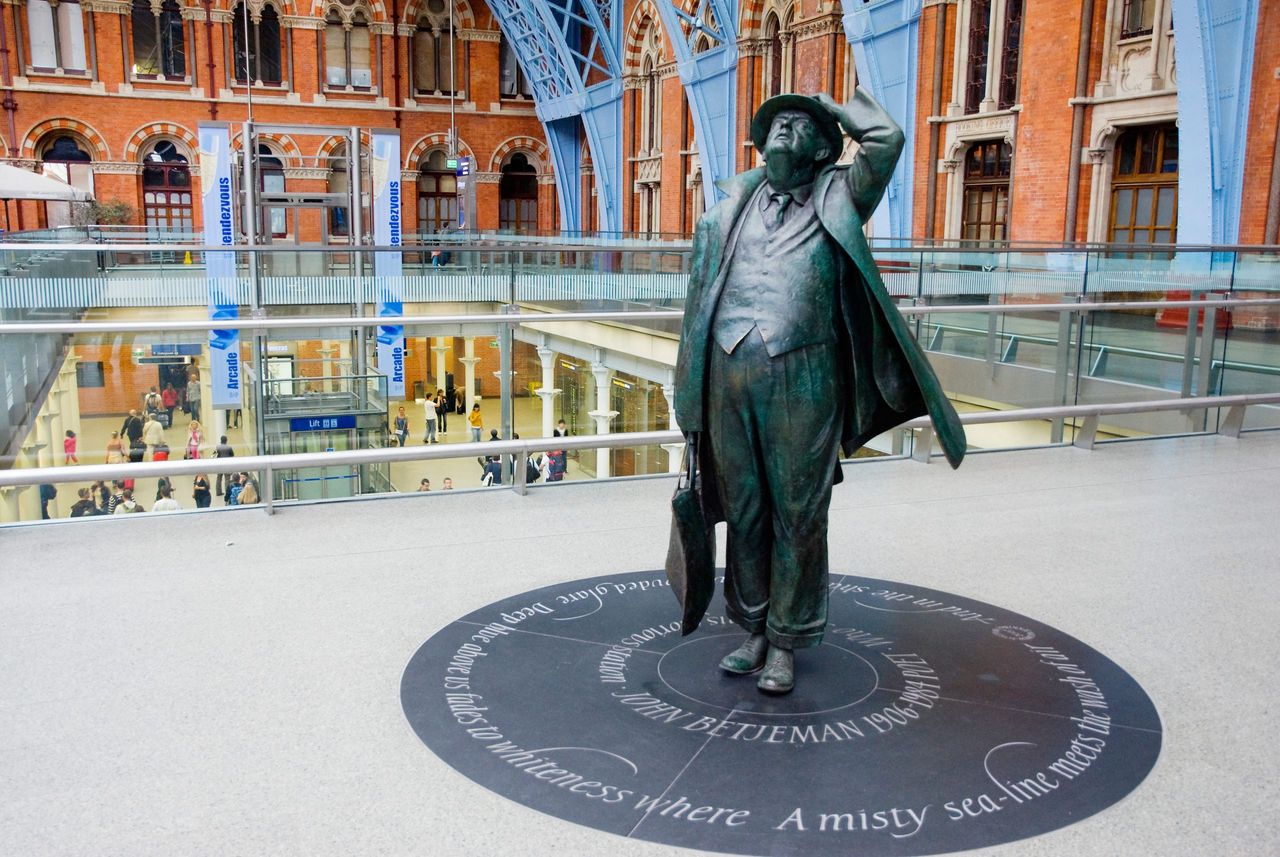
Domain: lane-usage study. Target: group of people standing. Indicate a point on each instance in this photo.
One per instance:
(143, 439)
(436, 410)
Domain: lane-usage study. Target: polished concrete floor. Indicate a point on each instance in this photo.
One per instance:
(229, 683)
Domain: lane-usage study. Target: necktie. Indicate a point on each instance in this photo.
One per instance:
(778, 202)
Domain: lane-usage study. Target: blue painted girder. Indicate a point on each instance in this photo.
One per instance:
(1214, 50)
(885, 38)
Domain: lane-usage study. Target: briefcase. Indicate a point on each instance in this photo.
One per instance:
(691, 554)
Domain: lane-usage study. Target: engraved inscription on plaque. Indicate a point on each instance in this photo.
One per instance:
(929, 723)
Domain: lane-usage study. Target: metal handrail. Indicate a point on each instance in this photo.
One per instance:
(464, 242)
(522, 448)
(263, 323)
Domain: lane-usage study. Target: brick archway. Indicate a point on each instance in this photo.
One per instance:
(280, 143)
(140, 137)
(320, 9)
(434, 141)
(463, 17)
(751, 19)
(332, 144)
(633, 41)
(540, 156)
(74, 126)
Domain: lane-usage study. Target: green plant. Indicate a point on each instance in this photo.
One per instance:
(106, 212)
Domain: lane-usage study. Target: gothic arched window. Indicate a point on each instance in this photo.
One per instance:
(159, 46)
(258, 61)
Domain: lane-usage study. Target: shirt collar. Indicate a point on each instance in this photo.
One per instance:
(800, 195)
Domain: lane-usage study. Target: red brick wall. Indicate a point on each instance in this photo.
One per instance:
(1264, 113)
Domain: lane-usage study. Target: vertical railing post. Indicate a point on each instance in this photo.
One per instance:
(1062, 366)
(1205, 369)
(269, 490)
(1189, 346)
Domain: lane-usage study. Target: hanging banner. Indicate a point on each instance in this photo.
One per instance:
(217, 200)
(386, 266)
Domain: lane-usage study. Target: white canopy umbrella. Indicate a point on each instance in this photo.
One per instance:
(16, 183)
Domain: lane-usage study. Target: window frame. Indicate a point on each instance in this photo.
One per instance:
(514, 211)
(253, 59)
(59, 50)
(425, 171)
(998, 184)
(167, 53)
(357, 17)
(1157, 181)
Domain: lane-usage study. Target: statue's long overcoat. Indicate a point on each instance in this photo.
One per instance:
(887, 376)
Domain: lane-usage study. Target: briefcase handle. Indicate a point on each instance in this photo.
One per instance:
(689, 459)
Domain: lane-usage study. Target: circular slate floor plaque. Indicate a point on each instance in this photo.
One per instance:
(924, 723)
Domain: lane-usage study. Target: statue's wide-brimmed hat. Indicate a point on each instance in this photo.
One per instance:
(827, 125)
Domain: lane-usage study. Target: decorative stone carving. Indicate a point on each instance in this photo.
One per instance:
(297, 22)
(480, 35)
(649, 169)
(1135, 67)
(116, 168)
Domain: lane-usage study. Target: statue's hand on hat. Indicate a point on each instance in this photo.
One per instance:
(842, 115)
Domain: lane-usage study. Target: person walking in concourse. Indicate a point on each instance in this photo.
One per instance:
(476, 422)
(429, 408)
(225, 480)
(200, 491)
(153, 434)
(442, 412)
(194, 439)
(401, 427)
(115, 449)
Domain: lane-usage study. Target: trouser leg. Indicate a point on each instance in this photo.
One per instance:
(732, 385)
(774, 430)
(803, 451)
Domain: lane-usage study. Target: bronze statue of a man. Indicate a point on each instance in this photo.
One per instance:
(792, 350)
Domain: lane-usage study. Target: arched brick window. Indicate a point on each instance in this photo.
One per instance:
(437, 194)
(159, 45)
(258, 60)
(166, 189)
(56, 36)
(348, 48)
(518, 195)
(437, 66)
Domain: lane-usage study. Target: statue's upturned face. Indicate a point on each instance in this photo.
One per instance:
(794, 133)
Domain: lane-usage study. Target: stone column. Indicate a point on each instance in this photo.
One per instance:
(469, 361)
(674, 450)
(440, 348)
(1159, 47)
(602, 415)
(548, 391)
(70, 395)
(995, 58)
(35, 455)
(328, 352)
(10, 510)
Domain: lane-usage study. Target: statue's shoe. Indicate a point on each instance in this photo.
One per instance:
(747, 658)
(779, 674)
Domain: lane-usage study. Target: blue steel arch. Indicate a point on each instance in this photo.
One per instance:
(568, 50)
(885, 36)
(704, 36)
(1214, 50)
